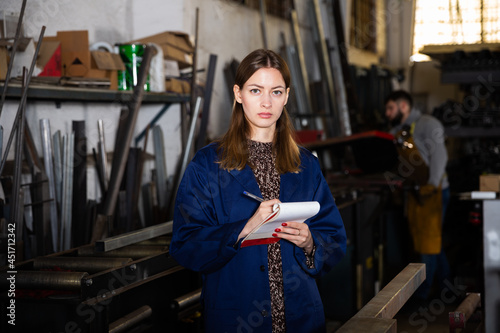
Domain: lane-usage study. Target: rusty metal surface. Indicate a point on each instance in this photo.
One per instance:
(459, 317)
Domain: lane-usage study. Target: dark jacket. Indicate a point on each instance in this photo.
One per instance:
(211, 211)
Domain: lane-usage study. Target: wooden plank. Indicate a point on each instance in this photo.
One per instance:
(395, 294)
(372, 325)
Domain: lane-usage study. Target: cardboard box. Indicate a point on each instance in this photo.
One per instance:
(175, 45)
(106, 65)
(75, 54)
(4, 62)
(489, 183)
(49, 57)
(177, 86)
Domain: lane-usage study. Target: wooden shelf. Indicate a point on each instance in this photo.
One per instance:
(50, 93)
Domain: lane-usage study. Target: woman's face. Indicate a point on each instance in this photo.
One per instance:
(263, 97)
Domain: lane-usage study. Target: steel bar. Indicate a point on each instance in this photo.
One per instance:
(1, 141)
(195, 61)
(47, 280)
(302, 62)
(325, 68)
(121, 154)
(491, 264)
(152, 123)
(101, 150)
(160, 166)
(66, 217)
(24, 95)
(207, 97)
(132, 251)
(79, 201)
(459, 317)
(185, 301)
(263, 22)
(12, 56)
(133, 237)
(338, 76)
(184, 158)
(57, 145)
(49, 171)
(79, 264)
(125, 323)
(17, 192)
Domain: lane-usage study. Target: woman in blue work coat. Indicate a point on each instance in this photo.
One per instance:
(267, 287)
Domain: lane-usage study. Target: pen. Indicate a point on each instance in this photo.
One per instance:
(253, 196)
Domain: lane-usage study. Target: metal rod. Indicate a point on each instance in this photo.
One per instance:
(67, 200)
(189, 143)
(101, 150)
(263, 21)
(48, 280)
(24, 96)
(181, 303)
(17, 192)
(49, 171)
(128, 321)
(12, 56)
(79, 264)
(152, 123)
(202, 133)
(133, 237)
(122, 150)
(160, 166)
(195, 60)
(324, 63)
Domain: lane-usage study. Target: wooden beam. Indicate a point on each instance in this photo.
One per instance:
(376, 316)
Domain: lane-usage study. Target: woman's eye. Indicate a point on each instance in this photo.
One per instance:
(254, 91)
(277, 92)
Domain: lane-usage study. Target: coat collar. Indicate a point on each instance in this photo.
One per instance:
(288, 183)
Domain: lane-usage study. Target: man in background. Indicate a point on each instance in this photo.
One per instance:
(423, 157)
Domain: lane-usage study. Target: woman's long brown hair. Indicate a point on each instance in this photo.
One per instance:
(233, 148)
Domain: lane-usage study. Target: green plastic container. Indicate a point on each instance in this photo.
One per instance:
(131, 55)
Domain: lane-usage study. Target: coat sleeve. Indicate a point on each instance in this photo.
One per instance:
(327, 229)
(200, 241)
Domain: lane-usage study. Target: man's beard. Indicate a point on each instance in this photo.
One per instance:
(397, 120)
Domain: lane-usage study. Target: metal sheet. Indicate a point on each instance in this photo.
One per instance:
(133, 237)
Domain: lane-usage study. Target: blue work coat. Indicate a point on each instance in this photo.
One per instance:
(211, 211)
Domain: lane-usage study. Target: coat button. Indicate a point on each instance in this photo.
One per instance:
(264, 313)
(262, 268)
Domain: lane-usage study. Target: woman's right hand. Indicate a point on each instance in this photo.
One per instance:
(265, 208)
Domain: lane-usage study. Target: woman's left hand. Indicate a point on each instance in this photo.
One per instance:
(297, 233)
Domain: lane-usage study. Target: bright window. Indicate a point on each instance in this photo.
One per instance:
(449, 22)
